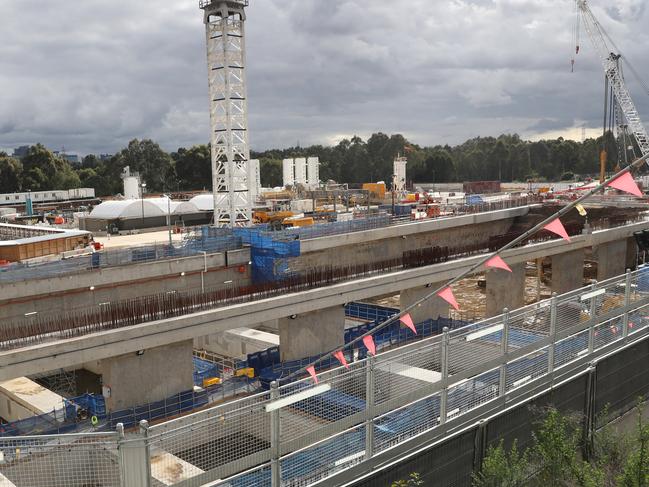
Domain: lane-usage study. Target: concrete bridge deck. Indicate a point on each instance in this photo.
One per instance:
(65, 353)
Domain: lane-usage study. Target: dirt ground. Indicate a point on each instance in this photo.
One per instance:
(472, 297)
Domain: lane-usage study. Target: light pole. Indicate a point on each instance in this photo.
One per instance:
(204, 270)
(143, 186)
(168, 217)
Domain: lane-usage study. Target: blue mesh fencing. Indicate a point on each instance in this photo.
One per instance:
(184, 402)
(268, 366)
(204, 370)
(65, 419)
(369, 312)
(210, 241)
(268, 253)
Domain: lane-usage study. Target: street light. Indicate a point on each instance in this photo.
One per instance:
(168, 217)
(143, 186)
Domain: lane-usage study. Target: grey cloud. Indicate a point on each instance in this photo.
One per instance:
(92, 75)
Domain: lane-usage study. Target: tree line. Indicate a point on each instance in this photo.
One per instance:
(505, 158)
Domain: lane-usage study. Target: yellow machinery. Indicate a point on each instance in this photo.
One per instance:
(298, 222)
(247, 372)
(271, 216)
(376, 190)
(212, 381)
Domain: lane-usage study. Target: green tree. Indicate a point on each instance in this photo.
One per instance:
(90, 162)
(194, 167)
(636, 470)
(271, 172)
(10, 174)
(146, 157)
(503, 469)
(439, 167)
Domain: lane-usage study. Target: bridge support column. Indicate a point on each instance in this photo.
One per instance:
(311, 334)
(631, 254)
(505, 289)
(611, 259)
(146, 376)
(567, 271)
(432, 308)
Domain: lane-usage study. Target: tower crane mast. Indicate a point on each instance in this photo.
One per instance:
(610, 62)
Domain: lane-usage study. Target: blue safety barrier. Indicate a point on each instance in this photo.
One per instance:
(204, 370)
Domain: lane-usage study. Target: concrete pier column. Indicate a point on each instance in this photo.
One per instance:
(631, 254)
(567, 271)
(611, 259)
(146, 376)
(505, 289)
(311, 334)
(431, 309)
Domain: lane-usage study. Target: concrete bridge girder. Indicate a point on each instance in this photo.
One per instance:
(60, 354)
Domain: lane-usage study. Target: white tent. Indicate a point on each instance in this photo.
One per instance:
(150, 207)
(205, 202)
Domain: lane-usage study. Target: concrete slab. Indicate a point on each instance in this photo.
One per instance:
(424, 375)
(117, 241)
(168, 469)
(24, 398)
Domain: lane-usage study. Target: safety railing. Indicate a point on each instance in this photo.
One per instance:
(118, 257)
(301, 432)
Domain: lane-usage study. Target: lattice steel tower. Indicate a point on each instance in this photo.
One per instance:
(226, 60)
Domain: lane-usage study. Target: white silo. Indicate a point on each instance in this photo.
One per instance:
(313, 164)
(400, 174)
(289, 172)
(300, 170)
(131, 184)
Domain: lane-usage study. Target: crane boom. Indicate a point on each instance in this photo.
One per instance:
(611, 68)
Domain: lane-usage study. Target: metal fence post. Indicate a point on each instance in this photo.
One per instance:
(134, 457)
(593, 317)
(589, 413)
(370, 381)
(627, 303)
(504, 348)
(276, 474)
(553, 332)
(443, 403)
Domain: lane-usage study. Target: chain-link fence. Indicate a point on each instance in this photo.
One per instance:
(299, 433)
(60, 461)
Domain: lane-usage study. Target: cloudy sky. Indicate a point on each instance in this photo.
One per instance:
(92, 75)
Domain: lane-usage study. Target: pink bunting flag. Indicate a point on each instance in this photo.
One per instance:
(368, 341)
(340, 356)
(447, 295)
(557, 227)
(627, 184)
(497, 263)
(407, 320)
(311, 371)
